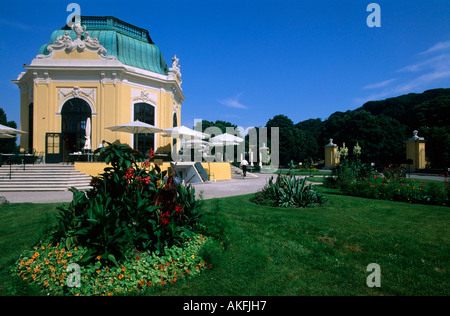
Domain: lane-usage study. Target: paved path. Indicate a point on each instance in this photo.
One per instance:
(231, 187)
(208, 190)
(224, 188)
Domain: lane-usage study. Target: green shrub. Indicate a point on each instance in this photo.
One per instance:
(288, 191)
(129, 206)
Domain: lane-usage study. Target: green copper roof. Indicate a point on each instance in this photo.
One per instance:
(130, 44)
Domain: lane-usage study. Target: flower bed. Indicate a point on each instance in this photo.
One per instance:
(51, 266)
(399, 189)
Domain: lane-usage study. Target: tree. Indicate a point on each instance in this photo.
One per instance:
(290, 141)
(7, 145)
(380, 137)
(222, 125)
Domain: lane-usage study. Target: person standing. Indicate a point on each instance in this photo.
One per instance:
(244, 164)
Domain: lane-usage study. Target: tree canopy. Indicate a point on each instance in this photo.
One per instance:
(380, 127)
(7, 145)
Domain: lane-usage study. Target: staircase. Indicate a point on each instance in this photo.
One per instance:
(42, 177)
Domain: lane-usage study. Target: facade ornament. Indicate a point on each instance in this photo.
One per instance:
(103, 78)
(416, 136)
(47, 78)
(78, 29)
(115, 79)
(175, 69)
(175, 61)
(80, 44)
(76, 92)
(144, 97)
(35, 78)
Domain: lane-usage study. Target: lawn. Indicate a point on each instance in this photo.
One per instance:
(316, 251)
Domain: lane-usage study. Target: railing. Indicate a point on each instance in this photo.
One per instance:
(16, 159)
(112, 22)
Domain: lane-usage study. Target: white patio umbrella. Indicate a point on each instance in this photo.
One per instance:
(184, 133)
(87, 144)
(136, 127)
(6, 136)
(193, 142)
(9, 130)
(226, 139)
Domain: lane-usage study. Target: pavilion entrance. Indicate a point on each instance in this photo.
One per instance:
(74, 115)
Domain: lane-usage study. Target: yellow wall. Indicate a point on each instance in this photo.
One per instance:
(113, 106)
(216, 170)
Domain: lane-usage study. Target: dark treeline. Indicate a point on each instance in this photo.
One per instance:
(379, 127)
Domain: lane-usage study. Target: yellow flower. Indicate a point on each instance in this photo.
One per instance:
(69, 254)
(98, 257)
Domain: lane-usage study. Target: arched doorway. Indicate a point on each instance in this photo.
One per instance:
(144, 112)
(74, 114)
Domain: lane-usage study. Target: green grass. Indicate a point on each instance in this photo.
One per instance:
(270, 251)
(21, 226)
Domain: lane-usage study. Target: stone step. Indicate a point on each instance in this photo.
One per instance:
(43, 174)
(43, 189)
(42, 177)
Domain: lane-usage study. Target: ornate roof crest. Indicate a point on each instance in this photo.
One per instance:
(80, 44)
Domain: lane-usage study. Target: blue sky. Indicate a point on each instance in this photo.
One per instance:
(247, 61)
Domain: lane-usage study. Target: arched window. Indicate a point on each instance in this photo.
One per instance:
(175, 120)
(175, 124)
(144, 112)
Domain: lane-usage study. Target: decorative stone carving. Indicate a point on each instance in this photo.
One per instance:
(80, 44)
(175, 69)
(143, 96)
(416, 137)
(76, 92)
(175, 61)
